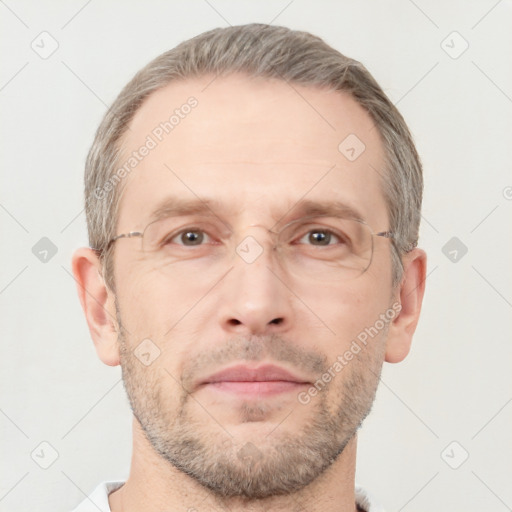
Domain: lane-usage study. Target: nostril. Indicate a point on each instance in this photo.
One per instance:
(275, 321)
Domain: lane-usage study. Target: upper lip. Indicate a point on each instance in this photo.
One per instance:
(243, 373)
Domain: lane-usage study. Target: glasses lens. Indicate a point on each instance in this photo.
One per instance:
(320, 249)
(327, 249)
(170, 238)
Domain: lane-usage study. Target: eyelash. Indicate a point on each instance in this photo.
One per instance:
(199, 230)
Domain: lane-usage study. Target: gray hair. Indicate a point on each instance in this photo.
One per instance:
(257, 50)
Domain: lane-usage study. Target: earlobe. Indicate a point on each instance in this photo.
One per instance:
(411, 293)
(97, 303)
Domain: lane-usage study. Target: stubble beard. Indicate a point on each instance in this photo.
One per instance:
(280, 463)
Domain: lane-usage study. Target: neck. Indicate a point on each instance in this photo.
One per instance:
(155, 485)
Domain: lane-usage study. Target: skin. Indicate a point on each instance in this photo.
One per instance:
(258, 147)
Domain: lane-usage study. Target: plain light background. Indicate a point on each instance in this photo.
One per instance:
(452, 396)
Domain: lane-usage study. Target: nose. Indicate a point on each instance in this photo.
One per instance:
(254, 298)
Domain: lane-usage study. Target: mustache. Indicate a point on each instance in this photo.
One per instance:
(273, 347)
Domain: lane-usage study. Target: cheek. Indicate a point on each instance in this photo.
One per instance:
(346, 309)
(153, 299)
(152, 366)
(153, 389)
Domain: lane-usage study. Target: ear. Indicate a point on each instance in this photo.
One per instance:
(98, 304)
(411, 290)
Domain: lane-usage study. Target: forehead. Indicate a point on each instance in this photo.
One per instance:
(256, 146)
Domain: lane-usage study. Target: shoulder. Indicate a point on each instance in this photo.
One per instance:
(97, 500)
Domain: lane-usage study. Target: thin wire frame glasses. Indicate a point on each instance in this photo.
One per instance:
(321, 248)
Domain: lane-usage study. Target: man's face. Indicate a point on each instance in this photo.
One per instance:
(256, 150)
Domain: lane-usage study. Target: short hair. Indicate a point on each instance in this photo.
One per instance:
(257, 50)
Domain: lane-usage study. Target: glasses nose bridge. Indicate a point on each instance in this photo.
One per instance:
(262, 233)
(252, 244)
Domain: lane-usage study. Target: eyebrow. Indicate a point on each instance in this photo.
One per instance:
(176, 206)
(311, 208)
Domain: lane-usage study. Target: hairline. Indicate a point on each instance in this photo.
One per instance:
(273, 56)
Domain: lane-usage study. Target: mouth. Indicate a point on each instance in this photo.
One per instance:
(266, 380)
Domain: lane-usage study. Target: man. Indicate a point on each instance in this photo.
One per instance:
(253, 203)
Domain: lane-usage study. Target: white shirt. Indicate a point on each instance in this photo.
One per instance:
(98, 499)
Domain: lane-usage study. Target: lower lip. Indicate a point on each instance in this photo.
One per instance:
(258, 388)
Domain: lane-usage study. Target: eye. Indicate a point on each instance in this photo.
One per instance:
(320, 237)
(189, 237)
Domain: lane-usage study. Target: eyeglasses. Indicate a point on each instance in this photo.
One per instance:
(321, 248)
